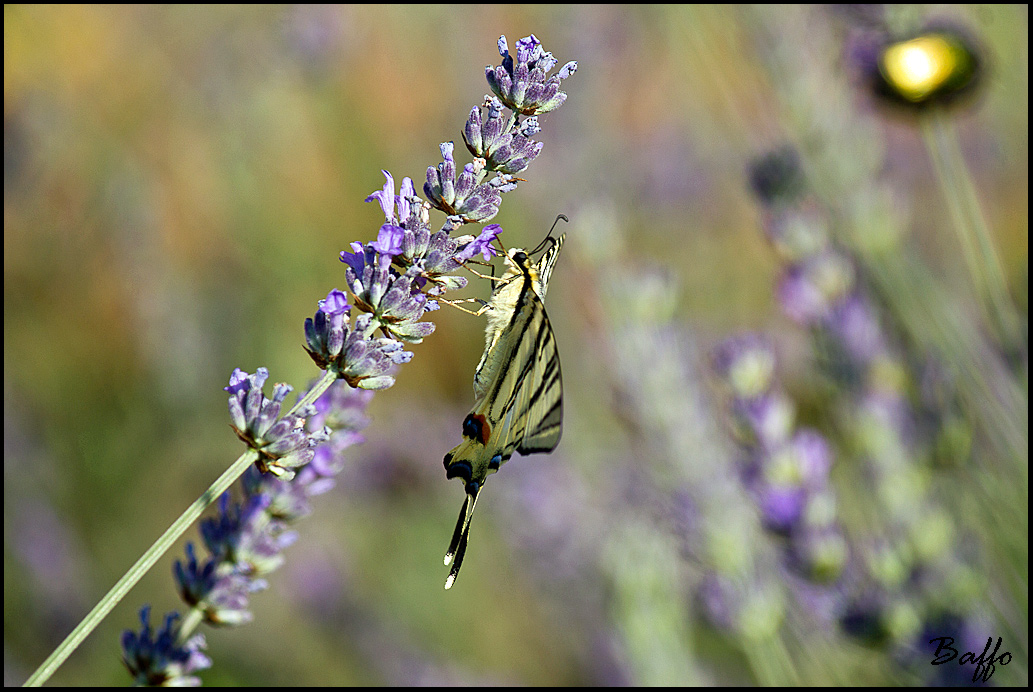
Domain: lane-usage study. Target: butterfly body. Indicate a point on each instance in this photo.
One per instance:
(517, 385)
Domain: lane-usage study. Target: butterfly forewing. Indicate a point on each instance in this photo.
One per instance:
(528, 400)
(543, 401)
(546, 263)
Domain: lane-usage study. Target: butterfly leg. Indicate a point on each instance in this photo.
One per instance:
(453, 303)
(492, 277)
(483, 276)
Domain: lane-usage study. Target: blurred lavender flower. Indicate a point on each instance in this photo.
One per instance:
(217, 589)
(701, 519)
(239, 534)
(905, 575)
(157, 660)
(776, 178)
(788, 472)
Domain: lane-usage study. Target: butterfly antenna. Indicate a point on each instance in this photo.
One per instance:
(460, 539)
(548, 238)
(558, 217)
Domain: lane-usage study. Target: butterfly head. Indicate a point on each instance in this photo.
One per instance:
(517, 261)
(517, 256)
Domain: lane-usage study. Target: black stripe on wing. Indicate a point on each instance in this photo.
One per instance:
(544, 409)
(531, 378)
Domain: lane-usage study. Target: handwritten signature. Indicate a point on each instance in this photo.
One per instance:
(984, 666)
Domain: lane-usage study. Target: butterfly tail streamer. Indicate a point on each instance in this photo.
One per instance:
(458, 533)
(460, 538)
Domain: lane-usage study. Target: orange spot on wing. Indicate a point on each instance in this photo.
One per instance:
(483, 429)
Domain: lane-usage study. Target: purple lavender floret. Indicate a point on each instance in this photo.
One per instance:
(505, 146)
(325, 333)
(220, 590)
(482, 134)
(393, 299)
(465, 197)
(397, 208)
(522, 85)
(368, 275)
(358, 358)
(283, 444)
(408, 238)
(781, 506)
(157, 660)
(788, 475)
(389, 240)
(481, 245)
(241, 534)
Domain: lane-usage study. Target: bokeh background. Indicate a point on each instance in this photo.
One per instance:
(178, 183)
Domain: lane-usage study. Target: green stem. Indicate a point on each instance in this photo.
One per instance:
(769, 662)
(315, 392)
(959, 192)
(142, 566)
(188, 625)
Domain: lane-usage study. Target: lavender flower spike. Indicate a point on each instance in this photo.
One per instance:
(392, 281)
(788, 472)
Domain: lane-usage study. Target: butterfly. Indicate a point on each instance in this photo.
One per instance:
(517, 385)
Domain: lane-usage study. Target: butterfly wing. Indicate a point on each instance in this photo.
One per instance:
(507, 295)
(529, 401)
(546, 262)
(518, 386)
